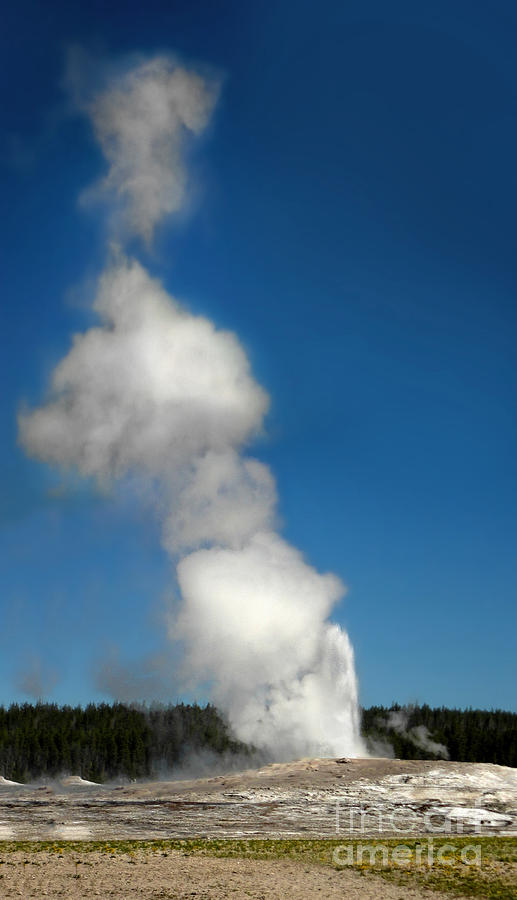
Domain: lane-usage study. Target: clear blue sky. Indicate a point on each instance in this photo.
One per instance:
(356, 226)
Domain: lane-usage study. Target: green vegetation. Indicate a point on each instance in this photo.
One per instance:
(106, 741)
(470, 735)
(494, 878)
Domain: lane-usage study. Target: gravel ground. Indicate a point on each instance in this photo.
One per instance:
(146, 875)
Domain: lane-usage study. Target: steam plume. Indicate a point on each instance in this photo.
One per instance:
(142, 120)
(162, 394)
(419, 735)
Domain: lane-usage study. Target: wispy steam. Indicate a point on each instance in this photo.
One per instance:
(142, 120)
(158, 393)
(146, 679)
(36, 679)
(419, 735)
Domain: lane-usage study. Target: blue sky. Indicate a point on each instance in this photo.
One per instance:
(355, 225)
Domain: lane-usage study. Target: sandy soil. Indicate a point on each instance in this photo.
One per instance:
(148, 875)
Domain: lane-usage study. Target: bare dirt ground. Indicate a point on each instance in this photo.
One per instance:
(155, 877)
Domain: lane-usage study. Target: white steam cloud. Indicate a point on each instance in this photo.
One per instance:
(152, 387)
(161, 394)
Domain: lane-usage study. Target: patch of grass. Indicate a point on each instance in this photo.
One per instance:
(495, 877)
(470, 866)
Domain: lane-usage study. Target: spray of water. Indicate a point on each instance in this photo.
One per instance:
(158, 394)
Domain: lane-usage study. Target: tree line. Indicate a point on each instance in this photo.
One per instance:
(470, 735)
(106, 741)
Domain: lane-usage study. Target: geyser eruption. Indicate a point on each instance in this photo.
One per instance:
(162, 395)
(254, 618)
